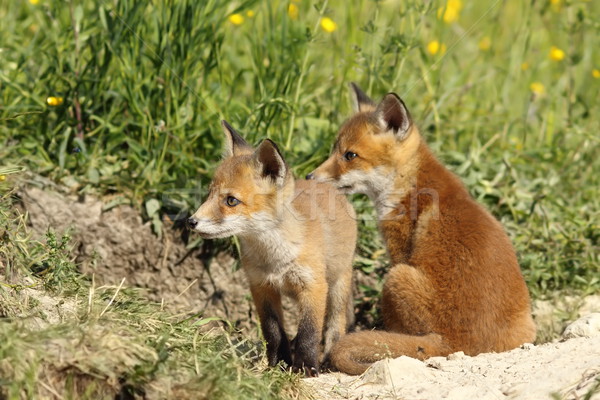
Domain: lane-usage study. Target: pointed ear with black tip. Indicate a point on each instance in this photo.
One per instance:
(361, 102)
(393, 115)
(271, 161)
(235, 145)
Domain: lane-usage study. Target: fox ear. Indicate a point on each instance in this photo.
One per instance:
(234, 143)
(361, 101)
(394, 116)
(271, 161)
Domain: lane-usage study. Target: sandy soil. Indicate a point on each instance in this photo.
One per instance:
(566, 369)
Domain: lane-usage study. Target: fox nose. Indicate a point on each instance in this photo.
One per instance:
(192, 223)
(310, 176)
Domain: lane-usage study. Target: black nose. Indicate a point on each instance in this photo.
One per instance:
(192, 223)
(310, 176)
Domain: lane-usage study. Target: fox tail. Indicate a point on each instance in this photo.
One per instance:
(355, 352)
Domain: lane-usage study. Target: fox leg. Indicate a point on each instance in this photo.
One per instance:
(340, 310)
(268, 305)
(407, 297)
(312, 300)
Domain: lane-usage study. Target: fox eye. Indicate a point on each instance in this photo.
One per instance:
(231, 201)
(349, 156)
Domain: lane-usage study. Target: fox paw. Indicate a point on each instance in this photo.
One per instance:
(309, 372)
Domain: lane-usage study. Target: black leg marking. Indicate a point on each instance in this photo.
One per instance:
(306, 357)
(278, 346)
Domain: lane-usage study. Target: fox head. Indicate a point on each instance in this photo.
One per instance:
(248, 190)
(374, 147)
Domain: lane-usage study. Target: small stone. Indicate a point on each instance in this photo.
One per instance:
(456, 356)
(528, 346)
(435, 362)
(588, 326)
(513, 389)
(395, 372)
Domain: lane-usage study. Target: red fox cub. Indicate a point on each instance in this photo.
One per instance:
(297, 239)
(454, 284)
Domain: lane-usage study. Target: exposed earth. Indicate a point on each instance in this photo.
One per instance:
(567, 369)
(113, 243)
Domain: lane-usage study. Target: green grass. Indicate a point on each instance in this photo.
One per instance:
(144, 85)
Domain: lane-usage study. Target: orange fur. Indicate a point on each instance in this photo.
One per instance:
(297, 239)
(455, 284)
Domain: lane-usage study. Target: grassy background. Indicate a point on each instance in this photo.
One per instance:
(144, 86)
(125, 97)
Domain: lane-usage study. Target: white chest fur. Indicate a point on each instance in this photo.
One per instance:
(270, 258)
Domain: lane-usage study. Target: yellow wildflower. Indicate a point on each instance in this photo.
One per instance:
(485, 43)
(517, 143)
(435, 47)
(328, 25)
(525, 66)
(2, 178)
(556, 54)
(455, 4)
(537, 88)
(34, 2)
(236, 19)
(250, 14)
(450, 12)
(596, 73)
(54, 101)
(293, 11)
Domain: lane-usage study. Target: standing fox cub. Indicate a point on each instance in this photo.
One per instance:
(455, 283)
(297, 239)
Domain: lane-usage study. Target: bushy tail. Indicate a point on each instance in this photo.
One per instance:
(355, 352)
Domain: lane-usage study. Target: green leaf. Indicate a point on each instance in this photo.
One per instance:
(152, 207)
(204, 321)
(93, 175)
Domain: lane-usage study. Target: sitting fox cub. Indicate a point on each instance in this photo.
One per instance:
(297, 239)
(454, 283)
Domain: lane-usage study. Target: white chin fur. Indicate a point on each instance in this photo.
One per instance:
(234, 225)
(229, 226)
(351, 189)
(373, 182)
